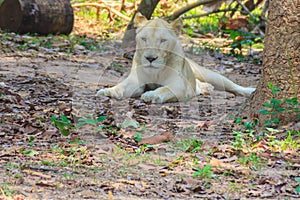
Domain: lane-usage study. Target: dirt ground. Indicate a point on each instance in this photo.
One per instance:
(38, 162)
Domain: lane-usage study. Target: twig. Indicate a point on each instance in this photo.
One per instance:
(246, 9)
(3, 194)
(181, 11)
(98, 6)
(256, 28)
(209, 13)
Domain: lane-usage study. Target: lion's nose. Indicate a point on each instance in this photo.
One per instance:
(151, 58)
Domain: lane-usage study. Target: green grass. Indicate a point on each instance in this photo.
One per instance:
(62, 43)
(6, 189)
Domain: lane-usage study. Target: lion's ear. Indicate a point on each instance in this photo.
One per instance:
(139, 20)
(177, 26)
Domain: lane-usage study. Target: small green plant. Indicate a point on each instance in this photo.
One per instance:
(297, 189)
(137, 136)
(143, 148)
(249, 126)
(49, 163)
(30, 152)
(63, 164)
(96, 121)
(68, 176)
(194, 146)
(56, 148)
(31, 141)
(290, 143)
(252, 160)
(93, 120)
(239, 140)
(204, 173)
(189, 145)
(276, 106)
(131, 123)
(11, 165)
(17, 175)
(63, 124)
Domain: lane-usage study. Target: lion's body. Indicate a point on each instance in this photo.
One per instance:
(160, 71)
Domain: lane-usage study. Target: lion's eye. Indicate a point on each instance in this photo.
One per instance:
(144, 39)
(163, 40)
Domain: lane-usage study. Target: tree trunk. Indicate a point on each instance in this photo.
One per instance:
(146, 7)
(37, 16)
(281, 62)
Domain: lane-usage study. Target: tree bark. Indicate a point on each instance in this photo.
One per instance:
(146, 7)
(281, 61)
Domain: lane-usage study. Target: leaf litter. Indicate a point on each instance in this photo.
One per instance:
(138, 150)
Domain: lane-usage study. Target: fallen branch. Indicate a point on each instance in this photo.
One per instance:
(98, 6)
(190, 6)
(209, 13)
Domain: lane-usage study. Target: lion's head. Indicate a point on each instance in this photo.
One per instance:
(156, 41)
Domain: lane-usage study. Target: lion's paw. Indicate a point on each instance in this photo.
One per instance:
(101, 92)
(109, 92)
(245, 91)
(204, 88)
(208, 88)
(152, 96)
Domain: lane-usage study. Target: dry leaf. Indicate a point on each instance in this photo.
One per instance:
(157, 139)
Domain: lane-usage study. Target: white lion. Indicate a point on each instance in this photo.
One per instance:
(160, 71)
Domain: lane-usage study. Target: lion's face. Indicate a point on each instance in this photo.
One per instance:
(155, 41)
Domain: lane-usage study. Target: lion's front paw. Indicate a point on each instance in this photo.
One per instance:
(101, 92)
(152, 96)
(110, 92)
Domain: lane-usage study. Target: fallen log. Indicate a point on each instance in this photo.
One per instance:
(37, 16)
